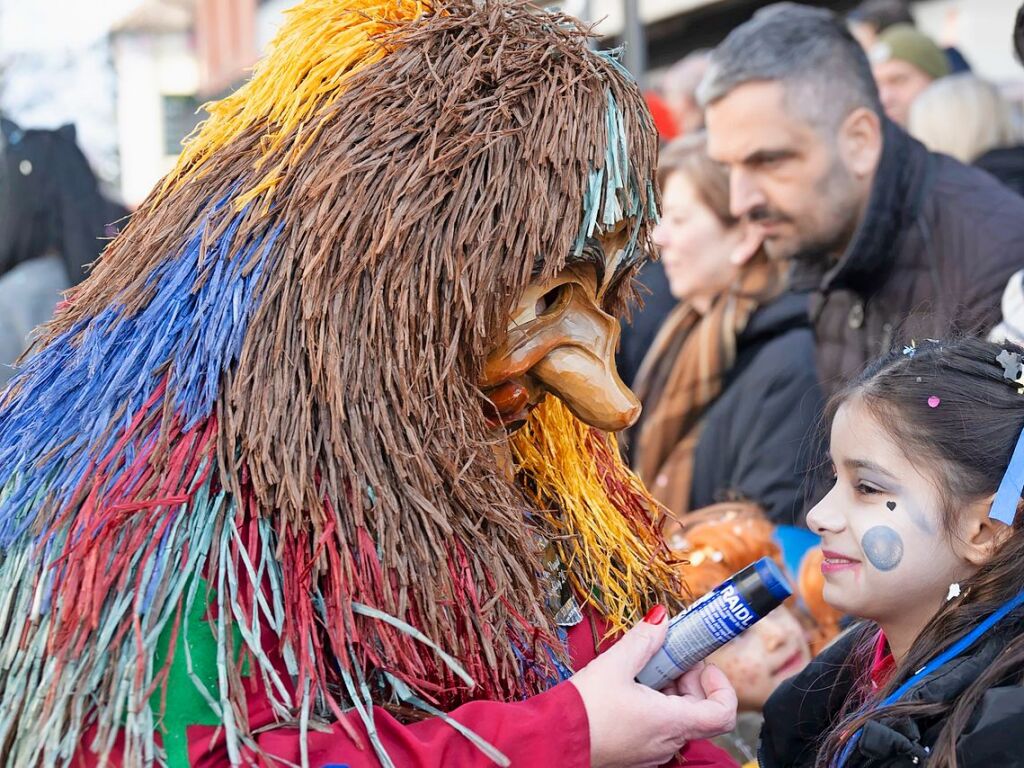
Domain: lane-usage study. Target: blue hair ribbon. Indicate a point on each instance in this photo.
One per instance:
(1004, 505)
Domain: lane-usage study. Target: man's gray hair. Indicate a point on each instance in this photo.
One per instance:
(824, 71)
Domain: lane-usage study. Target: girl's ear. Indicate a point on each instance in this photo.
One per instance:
(749, 243)
(981, 535)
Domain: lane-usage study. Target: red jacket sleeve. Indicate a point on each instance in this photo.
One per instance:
(550, 729)
(587, 641)
(703, 754)
(545, 730)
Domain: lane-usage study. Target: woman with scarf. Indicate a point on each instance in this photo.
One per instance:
(729, 387)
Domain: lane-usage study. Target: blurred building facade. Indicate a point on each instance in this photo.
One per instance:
(156, 66)
(231, 35)
(226, 41)
(133, 91)
(172, 55)
(673, 28)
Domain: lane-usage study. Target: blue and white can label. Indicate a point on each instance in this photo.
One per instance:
(707, 625)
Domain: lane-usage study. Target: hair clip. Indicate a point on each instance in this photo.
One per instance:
(1013, 368)
(911, 350)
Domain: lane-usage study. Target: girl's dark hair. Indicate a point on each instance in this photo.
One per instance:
(969, 440)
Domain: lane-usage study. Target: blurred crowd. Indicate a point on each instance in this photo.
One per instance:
(831, 189)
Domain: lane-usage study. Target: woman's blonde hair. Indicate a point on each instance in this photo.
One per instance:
(963, 116)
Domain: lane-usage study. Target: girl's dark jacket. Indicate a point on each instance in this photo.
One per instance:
(799, 714)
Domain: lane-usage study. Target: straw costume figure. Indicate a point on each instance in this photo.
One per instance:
(320, 446)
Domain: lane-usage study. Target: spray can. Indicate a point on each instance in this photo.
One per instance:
(733, 606)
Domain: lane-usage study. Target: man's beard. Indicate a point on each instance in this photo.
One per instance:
(821, 248)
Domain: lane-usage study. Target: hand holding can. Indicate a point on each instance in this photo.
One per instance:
(729, 609)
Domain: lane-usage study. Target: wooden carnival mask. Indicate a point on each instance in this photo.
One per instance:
(561, 341)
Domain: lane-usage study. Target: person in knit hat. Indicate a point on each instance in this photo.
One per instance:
(905, 62)
(872, 17)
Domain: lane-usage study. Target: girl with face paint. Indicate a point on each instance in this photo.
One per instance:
(914, 545)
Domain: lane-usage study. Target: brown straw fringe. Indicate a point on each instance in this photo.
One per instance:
(426, 194)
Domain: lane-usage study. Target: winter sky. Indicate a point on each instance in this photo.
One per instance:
(56, 24)
(55, 68)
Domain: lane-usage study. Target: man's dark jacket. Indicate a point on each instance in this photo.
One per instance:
(1006, 164)
(804, 709)
(930, 259)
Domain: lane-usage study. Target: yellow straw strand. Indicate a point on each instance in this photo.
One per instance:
(320, 46)
(601, 518)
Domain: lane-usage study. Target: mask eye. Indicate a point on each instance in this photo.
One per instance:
(546, 303)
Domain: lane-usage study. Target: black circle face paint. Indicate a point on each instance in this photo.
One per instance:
(883, 547)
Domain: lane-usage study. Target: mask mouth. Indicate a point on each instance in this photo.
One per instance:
(570, 353)
(509, 405)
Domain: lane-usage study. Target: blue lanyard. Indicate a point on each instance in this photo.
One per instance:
(948, 655)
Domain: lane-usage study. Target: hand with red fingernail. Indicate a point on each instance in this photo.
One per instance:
(632, 725)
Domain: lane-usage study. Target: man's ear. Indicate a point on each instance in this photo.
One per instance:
(859, 142)
(981, 535)
(749, 244)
